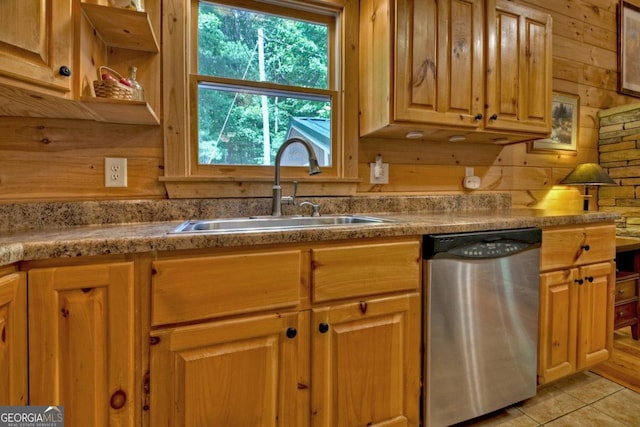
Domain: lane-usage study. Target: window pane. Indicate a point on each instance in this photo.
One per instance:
(241, 126)
(240, 44)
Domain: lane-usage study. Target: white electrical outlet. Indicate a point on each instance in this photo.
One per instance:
(115, 172)
(382, 178)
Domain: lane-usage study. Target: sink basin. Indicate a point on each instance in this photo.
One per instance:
(226, 225)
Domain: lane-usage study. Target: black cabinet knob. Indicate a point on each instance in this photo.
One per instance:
(292, 332)
(323, 327)
(579, 281)
(65, 71)
(585, 247)
(589, 279)
(493, 117)
(478, 116)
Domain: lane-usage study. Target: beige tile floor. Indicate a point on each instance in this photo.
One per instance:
(585, 399)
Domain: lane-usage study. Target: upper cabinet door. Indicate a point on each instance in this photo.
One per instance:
(519, 74)
(36, 39)
(439, 62)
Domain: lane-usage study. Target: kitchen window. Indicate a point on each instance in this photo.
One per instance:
(253, 74)
(261, 78)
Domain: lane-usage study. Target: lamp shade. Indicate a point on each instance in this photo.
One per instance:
(588, 174)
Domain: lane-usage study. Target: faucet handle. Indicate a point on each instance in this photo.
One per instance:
(290, 200)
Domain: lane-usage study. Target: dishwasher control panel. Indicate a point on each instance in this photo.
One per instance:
(482, 244)
(489, 249)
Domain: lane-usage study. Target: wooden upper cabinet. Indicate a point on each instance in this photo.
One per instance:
(439, 62)
(51, 52)
(36, 42)
(519, 70)
(473, 69)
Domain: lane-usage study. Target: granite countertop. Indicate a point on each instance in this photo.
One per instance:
(61, 241)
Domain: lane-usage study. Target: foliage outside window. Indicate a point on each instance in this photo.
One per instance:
(262, 78)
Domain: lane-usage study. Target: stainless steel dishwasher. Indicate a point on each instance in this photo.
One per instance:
(481, 322)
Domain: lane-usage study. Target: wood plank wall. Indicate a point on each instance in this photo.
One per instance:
(47, 159)
(584, 63)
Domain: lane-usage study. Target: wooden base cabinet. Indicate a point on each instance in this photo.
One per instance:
(81, 343)
(303, 335)
(576, 302)
(626, 306)
(365, 367)
(13, 337)
(241, 372)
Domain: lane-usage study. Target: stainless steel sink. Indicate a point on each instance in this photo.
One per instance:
(226, 225)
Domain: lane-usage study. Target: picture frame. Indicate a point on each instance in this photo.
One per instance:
(629, 48)
(564, 126)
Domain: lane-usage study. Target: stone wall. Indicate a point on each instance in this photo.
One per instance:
(619, 150)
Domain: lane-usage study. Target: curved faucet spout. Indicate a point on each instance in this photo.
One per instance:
(314, 168)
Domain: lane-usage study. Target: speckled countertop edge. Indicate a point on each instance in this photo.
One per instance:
(104, 239)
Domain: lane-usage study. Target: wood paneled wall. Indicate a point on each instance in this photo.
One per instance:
(49, 159)
(46, 159)
(584, 63)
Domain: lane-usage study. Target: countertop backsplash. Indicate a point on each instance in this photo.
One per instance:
(47, 215)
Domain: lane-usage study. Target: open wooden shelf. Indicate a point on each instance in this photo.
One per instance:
(122, 28)
(121, 111)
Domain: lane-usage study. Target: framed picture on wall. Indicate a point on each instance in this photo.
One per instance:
(564, 126)
(629, 48)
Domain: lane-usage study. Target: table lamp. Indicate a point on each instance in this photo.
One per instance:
(587, 174)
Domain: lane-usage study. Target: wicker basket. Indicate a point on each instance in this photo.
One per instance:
(111, 88)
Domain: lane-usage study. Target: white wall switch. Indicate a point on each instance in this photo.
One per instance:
(115, 172)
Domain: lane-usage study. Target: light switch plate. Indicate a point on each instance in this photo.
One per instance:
(384, 176)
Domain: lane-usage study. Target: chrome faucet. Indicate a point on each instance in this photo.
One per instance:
(314, 169)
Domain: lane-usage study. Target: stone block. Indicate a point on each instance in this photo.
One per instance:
(620, 155)
(617, 192)
(618, 146)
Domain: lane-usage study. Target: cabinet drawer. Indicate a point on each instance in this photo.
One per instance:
(199, 288)
(567, 247)
(626, 312)
(625, 289)
(359, 270)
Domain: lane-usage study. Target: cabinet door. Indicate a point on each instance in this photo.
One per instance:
(366, 363)
(439, 62)
(558, 325)
(81, 343)
(519, 74)
(36, 39)
(595, 306)
(241, 372)
(13, 339)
